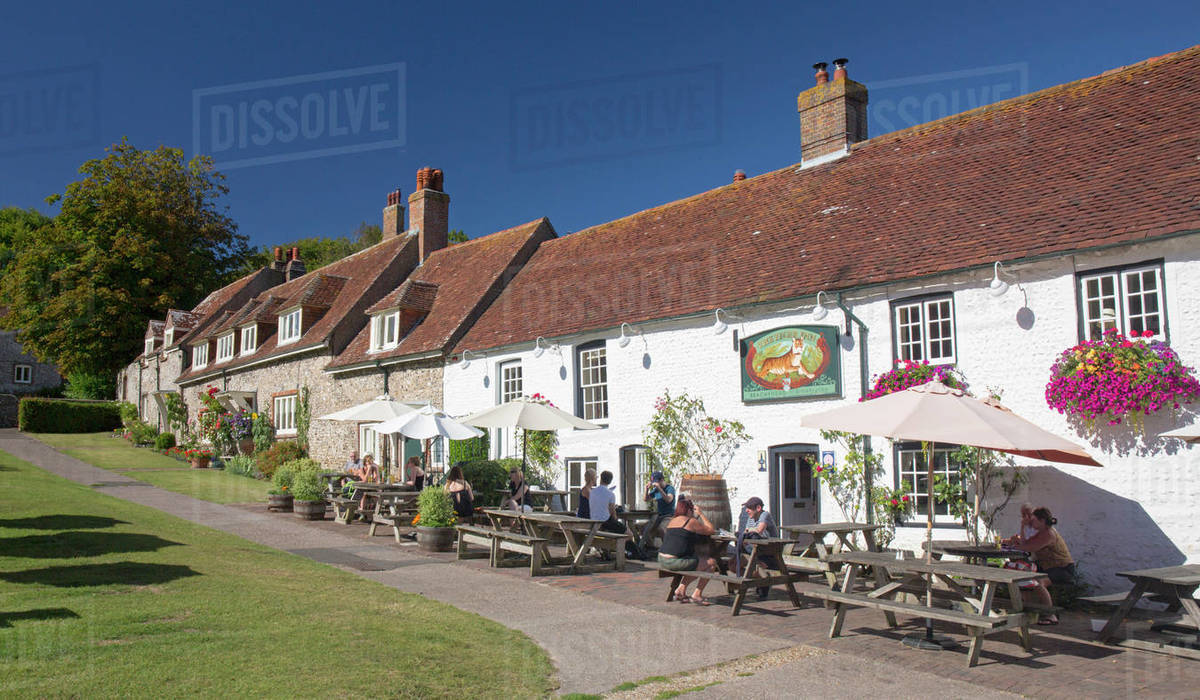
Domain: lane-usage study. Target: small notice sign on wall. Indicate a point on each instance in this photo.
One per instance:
(792, 362)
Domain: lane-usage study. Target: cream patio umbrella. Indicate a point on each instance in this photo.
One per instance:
(936, 413)
(380, 408)
(528, 415)
(425, 424)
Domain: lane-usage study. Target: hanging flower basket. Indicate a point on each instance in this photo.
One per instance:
(1119, 379)
(909, 374)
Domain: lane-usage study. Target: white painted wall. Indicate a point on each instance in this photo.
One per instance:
(1135, 512)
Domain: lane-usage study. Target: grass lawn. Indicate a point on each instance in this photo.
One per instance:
(144, 464)
(100, 597)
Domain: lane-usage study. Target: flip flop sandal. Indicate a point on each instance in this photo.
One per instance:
(683, 599)
(1045, 621)
(701, 601)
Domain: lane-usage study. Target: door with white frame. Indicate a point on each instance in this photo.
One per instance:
(794, 489)
(635, 474)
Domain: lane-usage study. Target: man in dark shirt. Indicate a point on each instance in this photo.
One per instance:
(662, 494)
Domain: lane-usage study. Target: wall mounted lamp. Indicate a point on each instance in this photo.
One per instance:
(819, 311)
(719, 326)
(623, 341)
(466, 361)
(541, 345)
(998, 286)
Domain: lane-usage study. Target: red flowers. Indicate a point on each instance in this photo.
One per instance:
(913, 374)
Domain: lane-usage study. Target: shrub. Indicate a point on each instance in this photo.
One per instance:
(164, 441)
(307, 485)
(129, 413)
(262, 431)
(142, 433)
(472, 450)
(242, 465)
(434, 508)
(67, 416)
(89, 385)
(282, 479)
(486, 475)
(304, 464)
(278, 453)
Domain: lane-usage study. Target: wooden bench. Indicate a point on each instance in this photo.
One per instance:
(474, 534)
(736, 586)
(944, 614)
(613, 543)
(344, 509)
(500, 541)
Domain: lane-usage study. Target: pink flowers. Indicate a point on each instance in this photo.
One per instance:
(908, 374)
(1115, 378)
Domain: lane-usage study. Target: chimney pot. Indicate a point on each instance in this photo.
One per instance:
(822, 74)
(839, 68)
(429, 212)
(393, 215)
(278, 253)
(739, 175)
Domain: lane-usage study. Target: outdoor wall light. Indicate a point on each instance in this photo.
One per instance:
(998, 286)
(623, 341)
(719, 326)
(819, 311)
(541, 345)
(466, 361)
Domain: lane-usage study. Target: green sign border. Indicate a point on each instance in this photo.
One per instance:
(827, 385)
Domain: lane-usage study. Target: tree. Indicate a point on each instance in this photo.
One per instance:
(682, 436)
(456, 236)
(140, 233)
(17, 227)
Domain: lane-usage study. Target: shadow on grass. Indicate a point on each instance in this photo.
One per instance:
(126, 572)
(7, 618)
(61, 522)
(65, 545)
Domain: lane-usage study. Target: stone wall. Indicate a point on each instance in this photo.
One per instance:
(138, 381)
(42, 375)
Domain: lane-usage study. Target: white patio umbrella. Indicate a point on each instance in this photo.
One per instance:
(380, 408)
(425, 423)
(936, 413)
(1188, 433)
(527, 415)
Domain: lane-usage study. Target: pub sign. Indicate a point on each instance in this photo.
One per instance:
(791, 363)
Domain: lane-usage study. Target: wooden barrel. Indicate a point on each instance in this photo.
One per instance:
(711, 494)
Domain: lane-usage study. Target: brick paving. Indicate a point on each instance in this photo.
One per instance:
(1064, 661)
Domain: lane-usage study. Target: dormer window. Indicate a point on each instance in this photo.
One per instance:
(200, 355)
(289, 327)
(385, 330)
(149, 345)
(249, 339)
(225, 347)
(168, 337)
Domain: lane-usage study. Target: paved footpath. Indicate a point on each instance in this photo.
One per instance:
(595, 644)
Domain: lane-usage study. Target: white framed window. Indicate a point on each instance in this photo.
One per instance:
(924, 330)
(289, 327)
(168, 337)
(385, 330)
(22, 374)
(368, 442)
(912, 474)
(225, 347)
(1129, 299)
(509, 386)
(285, 414)
(592, 381)
(576, 466)
(249, 339)
(200, 355)
(149, 345)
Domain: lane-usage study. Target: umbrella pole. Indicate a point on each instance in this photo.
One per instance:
(927, 641)
(524, 444)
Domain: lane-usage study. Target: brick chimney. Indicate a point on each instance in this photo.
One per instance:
(277, 263)
(393, 216)
(429, 212)
(295, 266)
(833, 114)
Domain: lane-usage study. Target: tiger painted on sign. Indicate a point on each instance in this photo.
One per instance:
(786, 363)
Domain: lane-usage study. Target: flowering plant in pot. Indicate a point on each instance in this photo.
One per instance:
(279, 498)
(909, 374)
(307, 488)
(435, 520)
(1119, 379)
(683, 437)
(199, 457)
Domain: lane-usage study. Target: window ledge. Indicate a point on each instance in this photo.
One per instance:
(285, 433)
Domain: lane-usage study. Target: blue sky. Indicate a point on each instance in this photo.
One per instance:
(584, 112)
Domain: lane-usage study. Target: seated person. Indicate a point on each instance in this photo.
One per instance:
(370, 470)
(678, 551)
(602, 505)
(662, 495)
(461, 493)
(589, 482)
(518, 493)
(756, 523)
(1026, 530)
(354, 464)
(1052, 557)
(414, 476)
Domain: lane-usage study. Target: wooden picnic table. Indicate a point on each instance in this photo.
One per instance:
(765, 552)
(1177, 584)
(635, 520)
(979, 554)
(815, 556)
(579, 533)
(980, 617)
(545, 495)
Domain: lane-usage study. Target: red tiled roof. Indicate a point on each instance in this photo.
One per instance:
(342, 285)
(414, 295)
(465, 277)
(227, 298)
(154, 329)
(1109, 159)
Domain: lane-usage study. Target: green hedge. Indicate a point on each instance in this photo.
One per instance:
(67, 416)
(485, 476)
(471, 450)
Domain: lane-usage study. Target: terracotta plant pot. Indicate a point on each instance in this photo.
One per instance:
(246, 447)
(309, 510)
(712, 495)
(435, 539)
(279, 502)
(200, 462)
